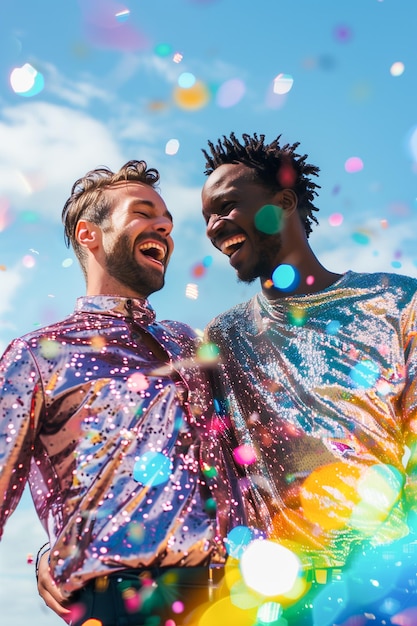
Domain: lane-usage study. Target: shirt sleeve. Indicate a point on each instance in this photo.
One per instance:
(409, 406)
(19, 386)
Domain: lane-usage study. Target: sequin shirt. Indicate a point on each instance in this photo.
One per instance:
(318, 414)
(109, 439)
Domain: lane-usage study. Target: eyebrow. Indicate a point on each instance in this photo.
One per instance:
(151, 205)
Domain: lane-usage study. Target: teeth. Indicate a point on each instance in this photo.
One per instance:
(159, 250)
(228, 246)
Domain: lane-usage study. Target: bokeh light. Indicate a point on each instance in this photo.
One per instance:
(336, 219)
(269, 568)
(28, 261)
(286, 277)
(208, 353)
(238, 540)
(397, 68)
(193, 98)
(353, 164)
(269, 219)
(364, 374)
(49, 348)
(26, 80)
(152, 468)
(137, 382)
(230, 93)
(186, 80)
(163, 50)
(361, 238)
(244, 455)
(329, 495)
(332, 327)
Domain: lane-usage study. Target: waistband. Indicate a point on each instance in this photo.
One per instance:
(189, 576)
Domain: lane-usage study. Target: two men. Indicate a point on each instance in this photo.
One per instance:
(317, 404)
(104, 416)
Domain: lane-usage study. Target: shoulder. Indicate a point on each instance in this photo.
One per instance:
(178, 329)
(384, 281)
(230, 318)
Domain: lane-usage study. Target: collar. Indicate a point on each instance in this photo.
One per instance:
(135, 308)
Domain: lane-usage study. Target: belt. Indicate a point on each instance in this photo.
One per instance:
(205, 576)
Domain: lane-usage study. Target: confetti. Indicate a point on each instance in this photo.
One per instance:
(191, 291)
(177, 58)
(172, 146)
(283, 83)
(230, 93)
(122, 16)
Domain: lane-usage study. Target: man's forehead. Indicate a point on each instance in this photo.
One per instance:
(228, 176)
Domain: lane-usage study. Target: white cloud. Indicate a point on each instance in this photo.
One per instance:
(44, 148)
(339, 252)
(80, 93)
(10, 281)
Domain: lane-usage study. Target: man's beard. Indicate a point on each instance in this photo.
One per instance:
(269, 246)
(122, 265)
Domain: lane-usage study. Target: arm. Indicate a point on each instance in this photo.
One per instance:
(47, 589)
(19, 389)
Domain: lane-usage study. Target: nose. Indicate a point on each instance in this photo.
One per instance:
(163, 225)
(214, 224)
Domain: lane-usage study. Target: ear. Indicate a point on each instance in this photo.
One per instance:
(287, 200)
(88, 234)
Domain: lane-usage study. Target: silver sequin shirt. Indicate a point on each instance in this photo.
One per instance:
(318, 414)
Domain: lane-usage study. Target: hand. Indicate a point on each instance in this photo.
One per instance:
(49, 592)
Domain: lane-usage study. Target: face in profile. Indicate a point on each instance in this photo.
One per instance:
(232, 198)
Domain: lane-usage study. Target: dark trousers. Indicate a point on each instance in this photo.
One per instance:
(145, 597)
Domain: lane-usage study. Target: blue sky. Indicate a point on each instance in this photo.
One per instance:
(110, 73)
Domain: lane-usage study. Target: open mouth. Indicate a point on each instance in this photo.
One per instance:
(232, 245)
(153, 250)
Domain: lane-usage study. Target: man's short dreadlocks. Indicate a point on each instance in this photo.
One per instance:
(276, 166)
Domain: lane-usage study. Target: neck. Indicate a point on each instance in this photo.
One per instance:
(311, 277)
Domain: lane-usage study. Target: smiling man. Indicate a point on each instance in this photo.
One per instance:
(319, 390)
(105, 415)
